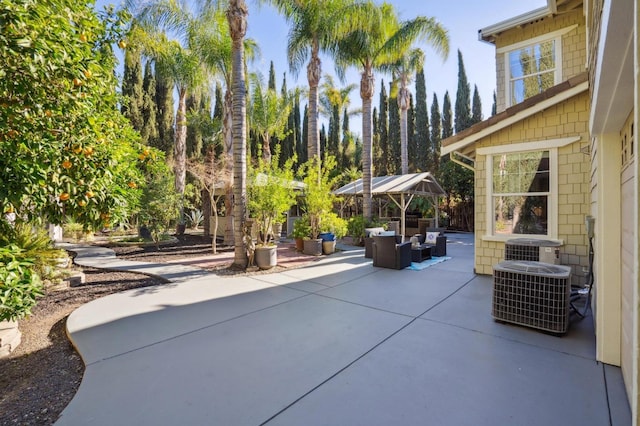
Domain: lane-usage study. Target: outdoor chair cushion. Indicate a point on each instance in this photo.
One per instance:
(388, 254)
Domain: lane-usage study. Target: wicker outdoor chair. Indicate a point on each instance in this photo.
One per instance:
(387, 253)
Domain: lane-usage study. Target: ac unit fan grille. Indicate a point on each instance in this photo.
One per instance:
(537, 301)
(520, 252)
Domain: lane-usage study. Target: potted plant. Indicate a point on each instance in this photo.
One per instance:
(318, 199)
(301, 230)
(270, 194)
(333, 227)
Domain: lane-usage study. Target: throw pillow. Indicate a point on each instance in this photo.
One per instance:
(431, 237)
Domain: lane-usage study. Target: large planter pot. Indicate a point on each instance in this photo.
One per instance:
(266, 257)
(10, 337)
(313, 247)
(277, 230)
(328, 247)
(299, 243)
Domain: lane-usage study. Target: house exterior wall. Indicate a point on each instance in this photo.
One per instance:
(566, 119)
(574, 51)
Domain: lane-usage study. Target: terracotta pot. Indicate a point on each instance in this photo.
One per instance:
(266, 257)
(299, 243)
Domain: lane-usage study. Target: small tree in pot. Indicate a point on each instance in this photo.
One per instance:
(271, 192)
(318, 197)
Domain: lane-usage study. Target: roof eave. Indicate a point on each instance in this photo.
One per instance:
(489, 33)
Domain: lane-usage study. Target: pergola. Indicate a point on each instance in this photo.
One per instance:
(400, 189)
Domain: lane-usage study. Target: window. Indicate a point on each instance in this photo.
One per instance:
(532, 70)
(520, 195)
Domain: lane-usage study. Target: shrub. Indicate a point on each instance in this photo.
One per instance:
(20, 284)
(331, 222)
(35, 245)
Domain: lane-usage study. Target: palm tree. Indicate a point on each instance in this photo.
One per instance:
(334, 103)
(181, 62)
(216, 51)
(269, 114)
(237, 13)
(316, 25)
(409, 62)
(375, 42)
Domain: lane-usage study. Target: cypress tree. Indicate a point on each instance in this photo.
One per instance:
(297, 144)
(347, 143)
(394, 160)
(194, 134)
(323, 141)
(149, 131)
(272, 77)
(422, 124)
(494, 107)
(164, 106)
(375, 143)
(383, 131)
(433, 160)
(463, 98)
(286, 144)
(303, 153)
(218, 110)
(333, 139)
(132, 93)
(447, 127)
(476, 106)
(412, 149)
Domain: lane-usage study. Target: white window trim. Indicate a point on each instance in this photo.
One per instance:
(550, 145)
(505, 50)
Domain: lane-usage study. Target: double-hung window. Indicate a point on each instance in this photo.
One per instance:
(532, 70)
(532, 66)
(520, 193)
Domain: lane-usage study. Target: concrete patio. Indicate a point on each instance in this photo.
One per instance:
(338, 342)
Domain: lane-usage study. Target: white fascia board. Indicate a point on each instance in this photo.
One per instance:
(525, 18)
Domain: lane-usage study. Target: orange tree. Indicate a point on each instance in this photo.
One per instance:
(65, 148)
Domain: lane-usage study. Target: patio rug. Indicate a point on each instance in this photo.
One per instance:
(423, 265)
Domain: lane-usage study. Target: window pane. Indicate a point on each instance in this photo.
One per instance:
(532, 70)
(521, 173)
(520, 215)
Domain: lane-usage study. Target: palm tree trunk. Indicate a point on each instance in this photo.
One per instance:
(403, 103)
(180, 150)
(313, 76)
(227, 130)
(237, 16)
(366, 93)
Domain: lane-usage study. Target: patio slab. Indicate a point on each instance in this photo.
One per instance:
(336, 342)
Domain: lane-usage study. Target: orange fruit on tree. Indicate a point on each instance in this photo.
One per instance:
(77, 149)
(64, 196)
(132, 185)
(77, 82)
(47, 113)
(89, 194)
(142, 156)
(82, 203)
(88, 151)
(88, 73)
(66, 164)
(122, 44)
(83, 38)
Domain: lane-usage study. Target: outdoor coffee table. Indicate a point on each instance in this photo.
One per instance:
(420, 253)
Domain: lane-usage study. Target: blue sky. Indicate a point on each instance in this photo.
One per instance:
(462, 19)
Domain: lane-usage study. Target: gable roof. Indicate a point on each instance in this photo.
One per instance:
(414, 183)
(464, 140)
